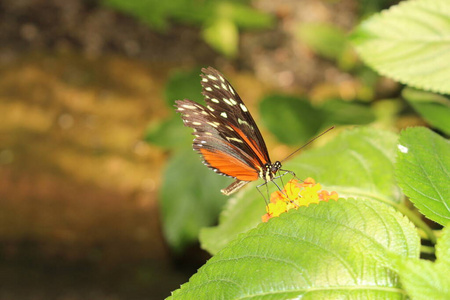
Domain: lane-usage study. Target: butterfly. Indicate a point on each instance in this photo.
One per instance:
(226, 136)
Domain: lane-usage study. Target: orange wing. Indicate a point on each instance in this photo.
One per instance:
(229, 165)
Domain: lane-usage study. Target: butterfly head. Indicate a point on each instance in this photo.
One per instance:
(275, 167)
(269, 171)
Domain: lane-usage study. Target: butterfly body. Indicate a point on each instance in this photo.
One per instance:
(226, 135)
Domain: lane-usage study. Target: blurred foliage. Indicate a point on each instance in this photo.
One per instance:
(369, 7)
(340, 112)
(328, 41)
(223, 35)
(219, 20)
(301, 120)
(168, 134)
(189, 198)
(183, 85)
(435, 109)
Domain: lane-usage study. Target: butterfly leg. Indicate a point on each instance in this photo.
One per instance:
(281, 178)
(287, 172)
(265, 199)
(265, 183)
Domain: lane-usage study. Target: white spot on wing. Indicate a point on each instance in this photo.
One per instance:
(402, 148)
(243, 107)
(224, 87)
(212, 77)
(180, 109)
(233, 102)
(208, 89)
(234, 139)
(210, 108)
(227, 101)
(197, 123)
(214, 100)
(240, 121)
(214, 124)
(205, 79)
(188, 106)
(224, 114)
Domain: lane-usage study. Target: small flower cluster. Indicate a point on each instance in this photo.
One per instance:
(296, 194)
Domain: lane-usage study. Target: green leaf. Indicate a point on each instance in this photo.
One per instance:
(169, 133)
(409, 43)
(190, 198)
(422, 171)
(325, 39)
(222, 34)
(426, 280)
(435, 109)
(340, 112)
(292, 120)
(184, 85)
(357, 163)
(333, 250)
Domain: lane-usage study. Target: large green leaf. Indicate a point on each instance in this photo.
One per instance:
(300, 120)
(333, 250)
(423, 172)
(435, 109)
(357, 163)
(189, 198)
(426, 280)
(409, 43)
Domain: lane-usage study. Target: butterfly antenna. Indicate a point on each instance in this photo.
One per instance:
(309, 142)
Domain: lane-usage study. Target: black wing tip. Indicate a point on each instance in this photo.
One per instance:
(179, 103)
(209, 70)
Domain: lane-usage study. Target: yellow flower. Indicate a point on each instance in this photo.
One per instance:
(296, 194)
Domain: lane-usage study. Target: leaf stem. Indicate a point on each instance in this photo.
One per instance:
(417, 221)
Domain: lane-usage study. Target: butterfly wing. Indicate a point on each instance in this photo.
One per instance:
(213, 140)
(225, 103)
(226, 134)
